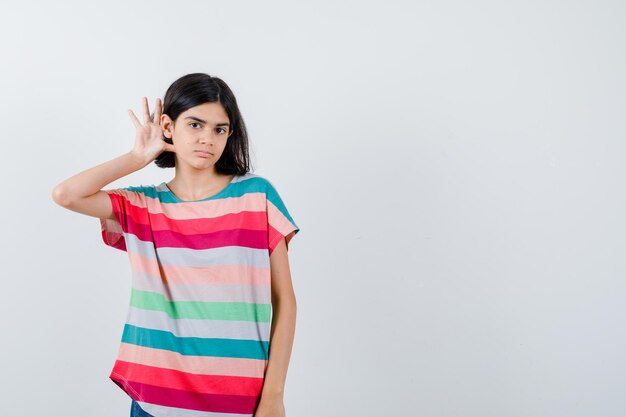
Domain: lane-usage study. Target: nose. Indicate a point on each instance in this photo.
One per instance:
(207, 138)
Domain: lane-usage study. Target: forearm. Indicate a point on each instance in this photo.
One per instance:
(92, 180)
(281, 342)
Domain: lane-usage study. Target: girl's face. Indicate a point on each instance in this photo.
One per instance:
(199, 134)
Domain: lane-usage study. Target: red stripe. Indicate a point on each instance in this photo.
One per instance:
(244, 219)
(171, 378)
(236, 237)
(246, 228)
(168, 397)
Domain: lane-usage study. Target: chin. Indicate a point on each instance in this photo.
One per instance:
(197, 163)
(205, 165)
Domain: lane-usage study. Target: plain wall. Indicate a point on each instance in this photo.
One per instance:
(456, 168)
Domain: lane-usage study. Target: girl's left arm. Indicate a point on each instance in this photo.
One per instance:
(281, 334)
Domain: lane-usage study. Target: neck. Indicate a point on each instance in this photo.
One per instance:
(195, 184)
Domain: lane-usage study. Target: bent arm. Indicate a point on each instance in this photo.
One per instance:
(82, 192)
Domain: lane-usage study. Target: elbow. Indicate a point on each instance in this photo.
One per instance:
(59, 196)
(285, 302)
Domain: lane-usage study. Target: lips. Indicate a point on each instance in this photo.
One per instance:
(204, 154)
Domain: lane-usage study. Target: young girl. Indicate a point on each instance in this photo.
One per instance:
(211, 283)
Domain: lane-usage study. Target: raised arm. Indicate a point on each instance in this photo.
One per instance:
(83, 193)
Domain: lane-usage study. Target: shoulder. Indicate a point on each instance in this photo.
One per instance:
(141, 189)
(269, 189)
(135, 191)
(255, 183)
(135, 188)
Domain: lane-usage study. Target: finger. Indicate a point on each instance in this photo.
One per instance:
(134, 119)
(169, 147)
(146, 111)
(157, 112)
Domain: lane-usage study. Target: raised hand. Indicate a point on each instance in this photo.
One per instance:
(149, 141)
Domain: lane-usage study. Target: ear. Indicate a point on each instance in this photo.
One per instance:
(167, 126)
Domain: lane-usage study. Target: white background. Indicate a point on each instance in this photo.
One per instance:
(456, 169)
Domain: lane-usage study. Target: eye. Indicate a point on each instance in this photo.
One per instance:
(222, 129)
(193, 123)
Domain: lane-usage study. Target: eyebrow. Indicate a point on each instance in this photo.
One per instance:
(204, 121)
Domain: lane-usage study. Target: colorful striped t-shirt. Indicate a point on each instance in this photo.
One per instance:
(196, 338)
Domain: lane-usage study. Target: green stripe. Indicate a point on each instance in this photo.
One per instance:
(206, 310)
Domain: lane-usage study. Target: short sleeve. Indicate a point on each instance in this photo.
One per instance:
(125, 203)
(280, 224)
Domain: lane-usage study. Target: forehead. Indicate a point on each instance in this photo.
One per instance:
(212, 113)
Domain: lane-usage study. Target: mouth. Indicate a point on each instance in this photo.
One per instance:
(204, 154)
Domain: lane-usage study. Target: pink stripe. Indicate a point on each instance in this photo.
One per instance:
(256, 239)
(217, 274)
(254, 202)
(254, 368)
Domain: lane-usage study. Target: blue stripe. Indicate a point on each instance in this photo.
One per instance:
(197, 346)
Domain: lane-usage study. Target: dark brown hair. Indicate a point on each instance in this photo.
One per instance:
(198, 88)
